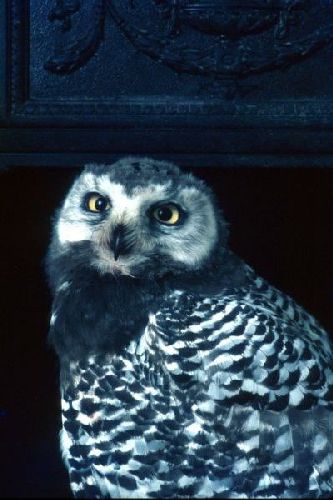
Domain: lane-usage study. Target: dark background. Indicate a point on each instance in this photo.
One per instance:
(281, 223)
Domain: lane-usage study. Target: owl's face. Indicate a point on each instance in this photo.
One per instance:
(139, 217)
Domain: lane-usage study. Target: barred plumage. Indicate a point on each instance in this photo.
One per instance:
(225, 391)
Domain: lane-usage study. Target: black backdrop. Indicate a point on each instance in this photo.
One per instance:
(281, 223)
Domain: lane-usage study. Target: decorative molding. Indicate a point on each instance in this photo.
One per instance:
(65, 160)
(216, 112)
(3, 58)
(226, 25)
(80, 50)
(19, 66)
(226, 38)
(167, 111)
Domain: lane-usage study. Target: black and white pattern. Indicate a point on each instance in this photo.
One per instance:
(225, 393)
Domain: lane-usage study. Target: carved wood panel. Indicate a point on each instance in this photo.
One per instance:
(235, 82)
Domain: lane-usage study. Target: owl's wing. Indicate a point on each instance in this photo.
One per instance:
(254, 373)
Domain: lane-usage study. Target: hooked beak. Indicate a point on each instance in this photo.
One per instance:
(122, 241)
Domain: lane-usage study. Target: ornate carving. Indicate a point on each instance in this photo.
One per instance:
(63, 11)
(216, 18)
(212, 111)
(218, 38)
(67, 59)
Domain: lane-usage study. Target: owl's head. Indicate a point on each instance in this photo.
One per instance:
(139, 217)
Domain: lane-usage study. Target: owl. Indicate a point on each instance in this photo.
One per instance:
(183, 373)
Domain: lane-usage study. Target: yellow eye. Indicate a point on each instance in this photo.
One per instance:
(96, 203)
(167, 214)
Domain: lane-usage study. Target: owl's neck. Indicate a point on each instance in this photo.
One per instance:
(95, 313)
(225, 271)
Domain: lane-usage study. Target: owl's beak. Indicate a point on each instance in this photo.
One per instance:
(122, 241)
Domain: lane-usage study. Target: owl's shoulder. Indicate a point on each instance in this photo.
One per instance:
(255, 342)
(240, 291)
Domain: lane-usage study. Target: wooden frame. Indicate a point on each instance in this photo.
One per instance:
(212, 131)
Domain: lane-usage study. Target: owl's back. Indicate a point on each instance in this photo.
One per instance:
(228, 395)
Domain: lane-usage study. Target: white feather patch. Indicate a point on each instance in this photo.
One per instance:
(70, 232)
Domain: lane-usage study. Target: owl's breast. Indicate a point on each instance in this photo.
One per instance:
(124, 424)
